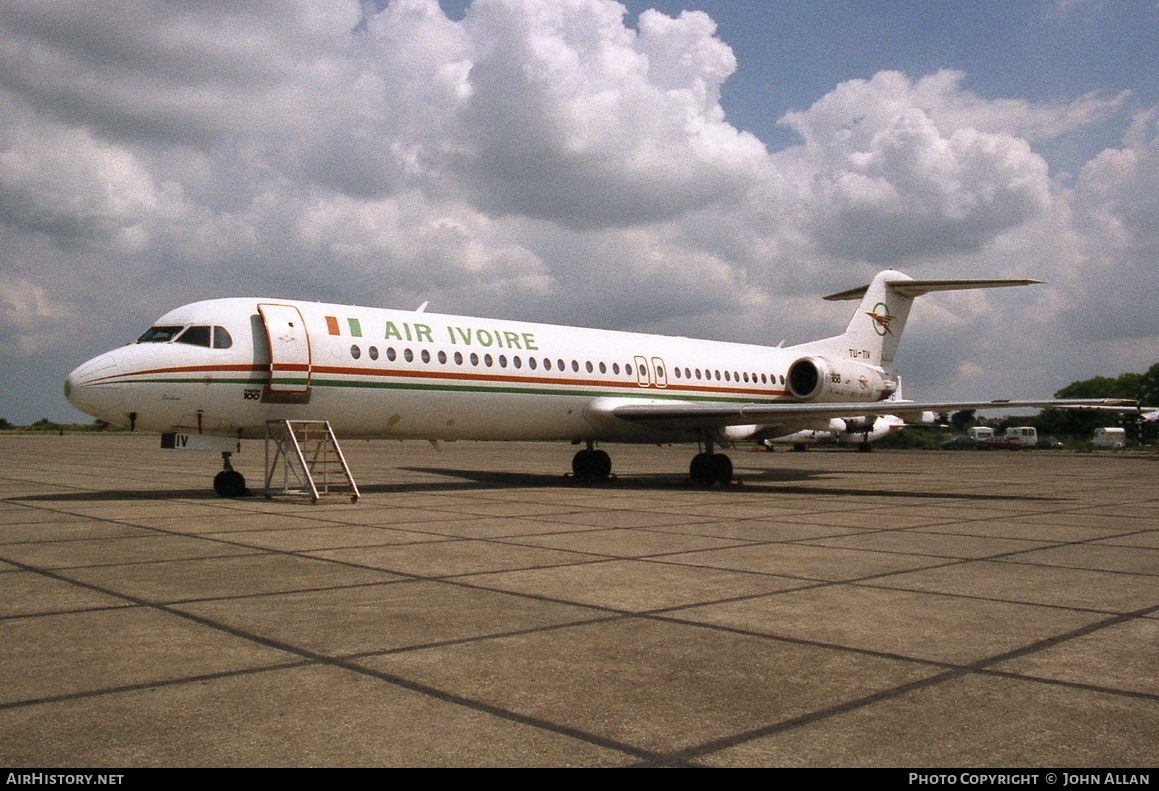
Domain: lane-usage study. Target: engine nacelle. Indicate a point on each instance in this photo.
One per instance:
(821, 379)
(858, 425)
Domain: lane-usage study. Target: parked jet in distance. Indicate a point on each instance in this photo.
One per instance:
(862, 430)
(214, 372)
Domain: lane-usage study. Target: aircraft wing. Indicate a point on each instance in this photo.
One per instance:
(1148, 414)
(688, 414)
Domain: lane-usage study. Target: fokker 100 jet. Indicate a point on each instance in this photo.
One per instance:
(215, 372)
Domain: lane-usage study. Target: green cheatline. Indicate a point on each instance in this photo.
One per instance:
(462, 388)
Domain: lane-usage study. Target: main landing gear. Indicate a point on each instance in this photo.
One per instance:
(229, 482)
(591, 464)
(709, 467)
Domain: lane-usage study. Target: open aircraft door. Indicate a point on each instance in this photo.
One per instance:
(289, 349)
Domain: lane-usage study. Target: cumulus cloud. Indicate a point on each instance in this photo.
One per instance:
(886, 183)
(574, 117)
(68, 184)
(1116, 205)
(30, 320)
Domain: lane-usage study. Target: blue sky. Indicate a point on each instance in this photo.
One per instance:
(791, 53)
(705, 173)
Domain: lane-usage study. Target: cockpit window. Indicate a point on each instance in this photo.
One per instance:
(159, 334)
(221, 339)
(195, 336)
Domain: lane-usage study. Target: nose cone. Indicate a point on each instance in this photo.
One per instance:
(92, 388)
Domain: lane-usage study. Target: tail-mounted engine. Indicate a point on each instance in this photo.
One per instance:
(822, 379)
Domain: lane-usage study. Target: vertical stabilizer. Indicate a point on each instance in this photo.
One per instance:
(875, 329)
(878, 322)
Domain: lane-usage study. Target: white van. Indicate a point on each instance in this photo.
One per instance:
(1027, 436)
(980, 432)
(1110, 438)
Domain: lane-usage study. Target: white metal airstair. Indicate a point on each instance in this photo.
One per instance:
(312, 464)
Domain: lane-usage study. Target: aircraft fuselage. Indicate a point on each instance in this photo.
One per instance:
(410, 375)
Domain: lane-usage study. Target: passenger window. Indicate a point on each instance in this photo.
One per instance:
(390, 355)
(426, 356)
(355, 352)
(517, 362)
(562, 367)
(487, 360)
(195, 336)
(590, 367)
(458, 358)
(373, 352)
(408, 355)
(474, 359)
(531, 362)
(221, 339)
(443, 358)
(546, 364)
(603, 368)
(615, 368)
(575, 366)
(503, 361)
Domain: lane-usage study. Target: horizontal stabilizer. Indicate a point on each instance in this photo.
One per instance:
(915, 288)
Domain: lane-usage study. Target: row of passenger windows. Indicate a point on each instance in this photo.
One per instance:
(629, 369)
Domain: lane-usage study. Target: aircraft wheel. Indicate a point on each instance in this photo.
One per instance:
(601, 465)
(700, 470)
(591, 465)
(581, 464)
(229, 483)
(721, 467)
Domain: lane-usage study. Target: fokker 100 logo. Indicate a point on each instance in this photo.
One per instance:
(881, 319)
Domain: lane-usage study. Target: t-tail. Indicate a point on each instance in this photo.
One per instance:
(859, 362)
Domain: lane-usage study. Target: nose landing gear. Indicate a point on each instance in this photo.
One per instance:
(229, 482)
(591, 464)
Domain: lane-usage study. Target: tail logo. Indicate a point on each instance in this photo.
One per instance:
(881, 319)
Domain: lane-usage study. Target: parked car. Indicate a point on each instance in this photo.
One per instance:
(964, 442)
(1049, 443)
(1000, 443)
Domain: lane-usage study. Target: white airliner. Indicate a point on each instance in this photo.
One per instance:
(211, 373)
(862, 430)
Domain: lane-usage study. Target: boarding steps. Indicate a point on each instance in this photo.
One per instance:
(312, 464)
